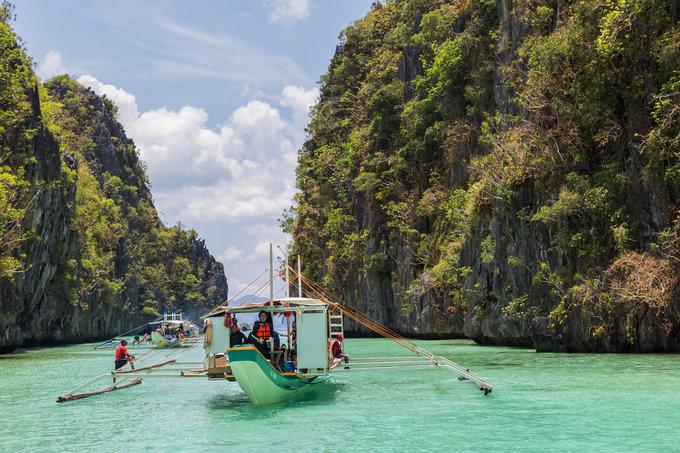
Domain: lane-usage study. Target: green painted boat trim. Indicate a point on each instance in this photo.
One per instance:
(161, 342)
(263, 383)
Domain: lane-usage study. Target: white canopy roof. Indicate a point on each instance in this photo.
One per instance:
(279, 305)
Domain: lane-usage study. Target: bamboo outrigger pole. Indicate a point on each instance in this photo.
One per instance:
(110, 388)
(317, 291)
(144, 368)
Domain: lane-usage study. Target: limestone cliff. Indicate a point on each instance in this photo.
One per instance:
(83, 254)
(501, 170)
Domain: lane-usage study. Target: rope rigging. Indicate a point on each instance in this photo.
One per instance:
(320, 293)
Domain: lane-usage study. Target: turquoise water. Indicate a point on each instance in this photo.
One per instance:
(540, 402)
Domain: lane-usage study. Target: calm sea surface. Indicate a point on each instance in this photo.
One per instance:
(569, 402)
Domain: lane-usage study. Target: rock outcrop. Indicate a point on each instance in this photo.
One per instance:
(501, 171)
(87, 256)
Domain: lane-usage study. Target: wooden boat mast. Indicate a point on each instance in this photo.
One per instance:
(288, 295)
(287, 276)
(271, 291)
(271, 275)
(299, 276)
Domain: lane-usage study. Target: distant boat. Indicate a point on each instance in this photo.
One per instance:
(183, 332)
(159, 341)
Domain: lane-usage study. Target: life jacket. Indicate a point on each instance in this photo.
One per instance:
(264, 330)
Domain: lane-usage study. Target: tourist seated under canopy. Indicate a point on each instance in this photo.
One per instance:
(263, 331)
(336, 349)
(236, 337)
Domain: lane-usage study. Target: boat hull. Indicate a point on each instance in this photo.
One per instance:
(159, 341)
(263, 383)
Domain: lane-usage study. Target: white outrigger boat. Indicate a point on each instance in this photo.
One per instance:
(270, 371)
(280, 372)
(169, 330)
(183, 334)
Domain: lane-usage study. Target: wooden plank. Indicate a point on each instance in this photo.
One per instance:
(193, 373)
(110, 388)
(148, 367)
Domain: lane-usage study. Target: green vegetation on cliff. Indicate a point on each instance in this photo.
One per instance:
(505, 170)
(114, 209)
(82, 250)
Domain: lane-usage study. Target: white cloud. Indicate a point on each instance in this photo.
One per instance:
(175, 50)
(231, 254)
(261, 251)
(300, 101)
(241, 172)
(51, 65)
(289, 10)
(257, 195)
(243, 169)
(126, 102)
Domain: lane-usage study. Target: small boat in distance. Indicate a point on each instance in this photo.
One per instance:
(169, 330)
(174, 331)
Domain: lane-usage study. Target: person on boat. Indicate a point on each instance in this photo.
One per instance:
(336, 349)
(262, 332)
(236, 337)
(180, 333)
(136, 340)
(146, 338)
(121, 357)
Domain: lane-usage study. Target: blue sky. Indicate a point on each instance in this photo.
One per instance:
(215, 94)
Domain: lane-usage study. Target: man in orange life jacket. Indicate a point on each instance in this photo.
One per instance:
(263, 330)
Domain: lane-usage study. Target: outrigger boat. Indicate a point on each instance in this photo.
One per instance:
(319, 322)
(278, 372)
(174, 321)
(286, 370)
(183, 333)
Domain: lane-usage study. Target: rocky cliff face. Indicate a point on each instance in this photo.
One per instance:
(83, 253)
(501, 171)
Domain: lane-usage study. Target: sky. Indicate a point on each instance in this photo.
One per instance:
(215, 94)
